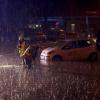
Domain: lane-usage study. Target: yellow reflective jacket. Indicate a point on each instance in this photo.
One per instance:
(24, 50)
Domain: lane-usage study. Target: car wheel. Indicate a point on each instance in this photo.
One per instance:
(57, 58)
(93, 57)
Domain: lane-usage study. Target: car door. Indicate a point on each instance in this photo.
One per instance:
(69, 52)
(83, 50)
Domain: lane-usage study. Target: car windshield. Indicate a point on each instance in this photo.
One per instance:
(60, 44)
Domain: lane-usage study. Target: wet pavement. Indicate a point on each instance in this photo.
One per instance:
(71, 80)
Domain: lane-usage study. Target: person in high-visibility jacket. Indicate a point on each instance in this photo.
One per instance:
(20, 42)
(25, 54)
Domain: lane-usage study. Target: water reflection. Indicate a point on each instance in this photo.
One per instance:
(55, 81)
(8, 66)
(44, 62)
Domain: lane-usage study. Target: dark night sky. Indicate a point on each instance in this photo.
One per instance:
(88, 4)
(15, 10)
(55, 7)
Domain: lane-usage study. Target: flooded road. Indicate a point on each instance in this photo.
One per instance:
(71, 80)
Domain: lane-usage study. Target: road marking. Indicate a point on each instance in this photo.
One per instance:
(8, 66)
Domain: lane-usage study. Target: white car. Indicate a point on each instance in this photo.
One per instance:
(71, 50)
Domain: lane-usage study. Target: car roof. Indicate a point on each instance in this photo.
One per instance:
(74, 39)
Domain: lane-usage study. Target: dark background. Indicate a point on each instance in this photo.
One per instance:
(50, 7)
